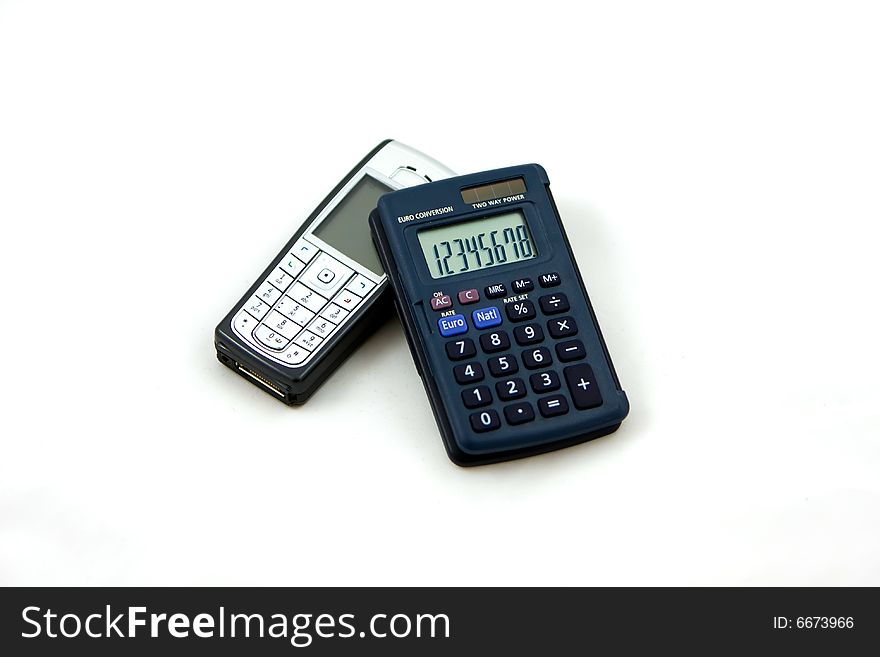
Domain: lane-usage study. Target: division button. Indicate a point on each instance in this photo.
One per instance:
(519, 413)
(510, 389)
(468, 296)
(553, 406)
(522, 285)
(487, 420)
(468, 372)
(452, 325)
(519, 311)
(486, 317)
(582, 385)
(476, 397)
(442, 302)
(549, 280)
(459, 349)
(496, 291)
(554, 303)
(562, 327)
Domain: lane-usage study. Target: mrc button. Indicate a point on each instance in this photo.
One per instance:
(452, 325)
(486, 317)
(496, 291)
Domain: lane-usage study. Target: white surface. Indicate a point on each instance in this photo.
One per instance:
(717, 169)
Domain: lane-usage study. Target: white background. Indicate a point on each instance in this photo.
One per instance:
(717, 169)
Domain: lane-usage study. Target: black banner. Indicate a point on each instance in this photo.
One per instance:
(432, 621)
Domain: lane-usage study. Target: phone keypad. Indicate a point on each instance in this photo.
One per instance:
(301, 303)
(543, 342)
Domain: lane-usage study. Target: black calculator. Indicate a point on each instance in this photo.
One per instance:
(496, 314)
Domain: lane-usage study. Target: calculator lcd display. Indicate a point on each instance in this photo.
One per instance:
(476, 244)
(347, 228)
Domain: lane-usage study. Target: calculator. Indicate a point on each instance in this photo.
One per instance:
(496, 315)
(326, 290)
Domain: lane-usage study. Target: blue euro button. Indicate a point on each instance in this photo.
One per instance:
(452, 325)
(486, 317)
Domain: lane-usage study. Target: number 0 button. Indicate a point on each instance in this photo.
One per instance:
(485, 421)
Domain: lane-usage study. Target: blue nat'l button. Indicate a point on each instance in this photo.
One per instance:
(486, 317)
(452, 325)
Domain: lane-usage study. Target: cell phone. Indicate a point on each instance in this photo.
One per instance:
(497, 316)
(326, 290)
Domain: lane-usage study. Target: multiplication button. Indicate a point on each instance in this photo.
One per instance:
(562, 327)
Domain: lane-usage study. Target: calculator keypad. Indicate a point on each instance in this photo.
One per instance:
(301, 303)
(559, 380)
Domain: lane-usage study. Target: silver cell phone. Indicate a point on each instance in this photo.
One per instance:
(326, 290)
